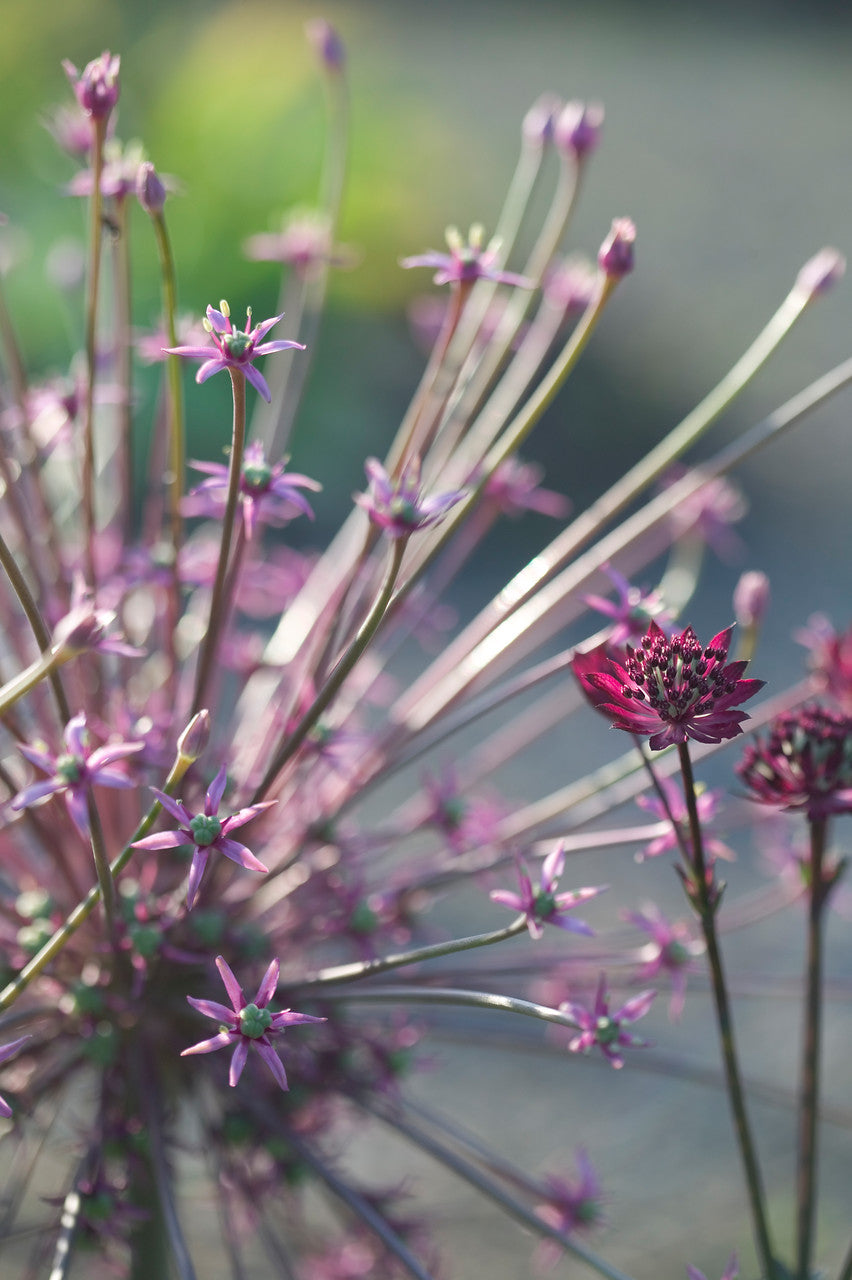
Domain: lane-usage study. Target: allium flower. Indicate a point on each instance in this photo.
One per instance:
(85, 627)
(467, 262)
(804, 762)
(669, 689)
(236, 348)
(75, 770)
(672, 950)
(96, 86)
(631, 611)
(597, 1026)
(8, 1051)
(515, 487)
(570, 285)
(269, 494)
(398, 506)
(573, 1204)
(540, 120)
(304, 242)
(544, 905)
(578, 127)
(246, 1024)
(615, 256)
(731, 1270)
(709, 512)
(751, 598)
(675, 810)
(205, 832)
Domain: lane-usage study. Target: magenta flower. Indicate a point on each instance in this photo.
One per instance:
(85, 627)
(597, 1026)
(96, 86)
(707, 803)
(731, 1270)
(544, 905)
(572, 1205)
(578, 128)
(75, 770)
(8, 1051)
(268, 494)
(398, 505)
(247, 1024)
(805, 762)
(467, 261)
(672, 950)
(671, 689)
(206, 831)
(515, 487)
(465, 822)
(830, 657)
(304, 242)
(631, 611)
(615, 256)
(709, 512)
(236, 349)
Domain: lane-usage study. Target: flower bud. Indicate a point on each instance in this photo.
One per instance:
(578, 128)
(615, 257)
(540, 120)
(821, 272)
(149, 189)
(751, 598)
(192, 743)
(327, 44)
(96, 86)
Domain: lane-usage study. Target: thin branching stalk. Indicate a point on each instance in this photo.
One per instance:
(806, 1170)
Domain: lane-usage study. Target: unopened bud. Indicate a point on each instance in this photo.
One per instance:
(615, 257)
(751, 598)
(96, 86)
(578, 127)
(327, 43)
(821, 272)
(149, 189)
(540, 120)
(192, 743)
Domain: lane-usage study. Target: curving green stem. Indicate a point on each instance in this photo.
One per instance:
(706, 909)
(88, 477)
(218, 604)
(49, 660)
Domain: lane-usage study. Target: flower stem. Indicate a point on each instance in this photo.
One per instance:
(102, 867)
(705, 909)
(88, 477)
(365, 634)
(218, 609)
(402, 994)
(809, 1093)
(365, 969)
(846, 1269)
(39, 630)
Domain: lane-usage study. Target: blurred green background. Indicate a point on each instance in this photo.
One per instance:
(726, 139)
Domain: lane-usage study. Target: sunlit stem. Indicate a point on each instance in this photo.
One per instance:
(93, 281)
(123, 347)
(705, 909)
(84, 909)
(218, 604)
(102, 867)
(366, 969)
(806, 1174)
(404, 994)
(339, 673)
(42, 638)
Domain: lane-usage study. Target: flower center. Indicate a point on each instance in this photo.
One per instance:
(254, 1022)
(544, 905)
(606, 1031)
(403, 510)
(69, 768)
(256, 476)
(237, 344)
(205, 829)
(677, 677)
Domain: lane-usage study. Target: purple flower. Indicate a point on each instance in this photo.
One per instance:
(570, 285)
(304, 242)
(151, 191)
(544, 905)
(467, 262)
(631, 611)
(96, 86)
(327, 43)
(709, 513)
(830, 657)
(85, 627)
(597, 1026)
(615, 256)
(206, 831)
(515, 487)
(8, 1051)
(245, 1024)
(672, 949)
(466, 823)
(572, 1205)
(731, 1270)
(707, 803)
(397, 505)
(578, 128)
(236, 349)
(267, 493)
(671, 689)
(75, 770)
(751, 598)
(540, 120)
(805, 762)
(821, 272)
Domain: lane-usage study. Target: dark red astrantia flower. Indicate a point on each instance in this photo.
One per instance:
(670, 689)
(805, 762)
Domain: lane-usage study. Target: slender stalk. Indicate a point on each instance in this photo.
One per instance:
(102, 867)
(806, 1174)
(705, 909)
(846, 1268)
(88, 477)
(452, 996)
(218, 607)
(39, 629)
(367, 968)
(84, 909)
(123, 349)
(347, 662)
